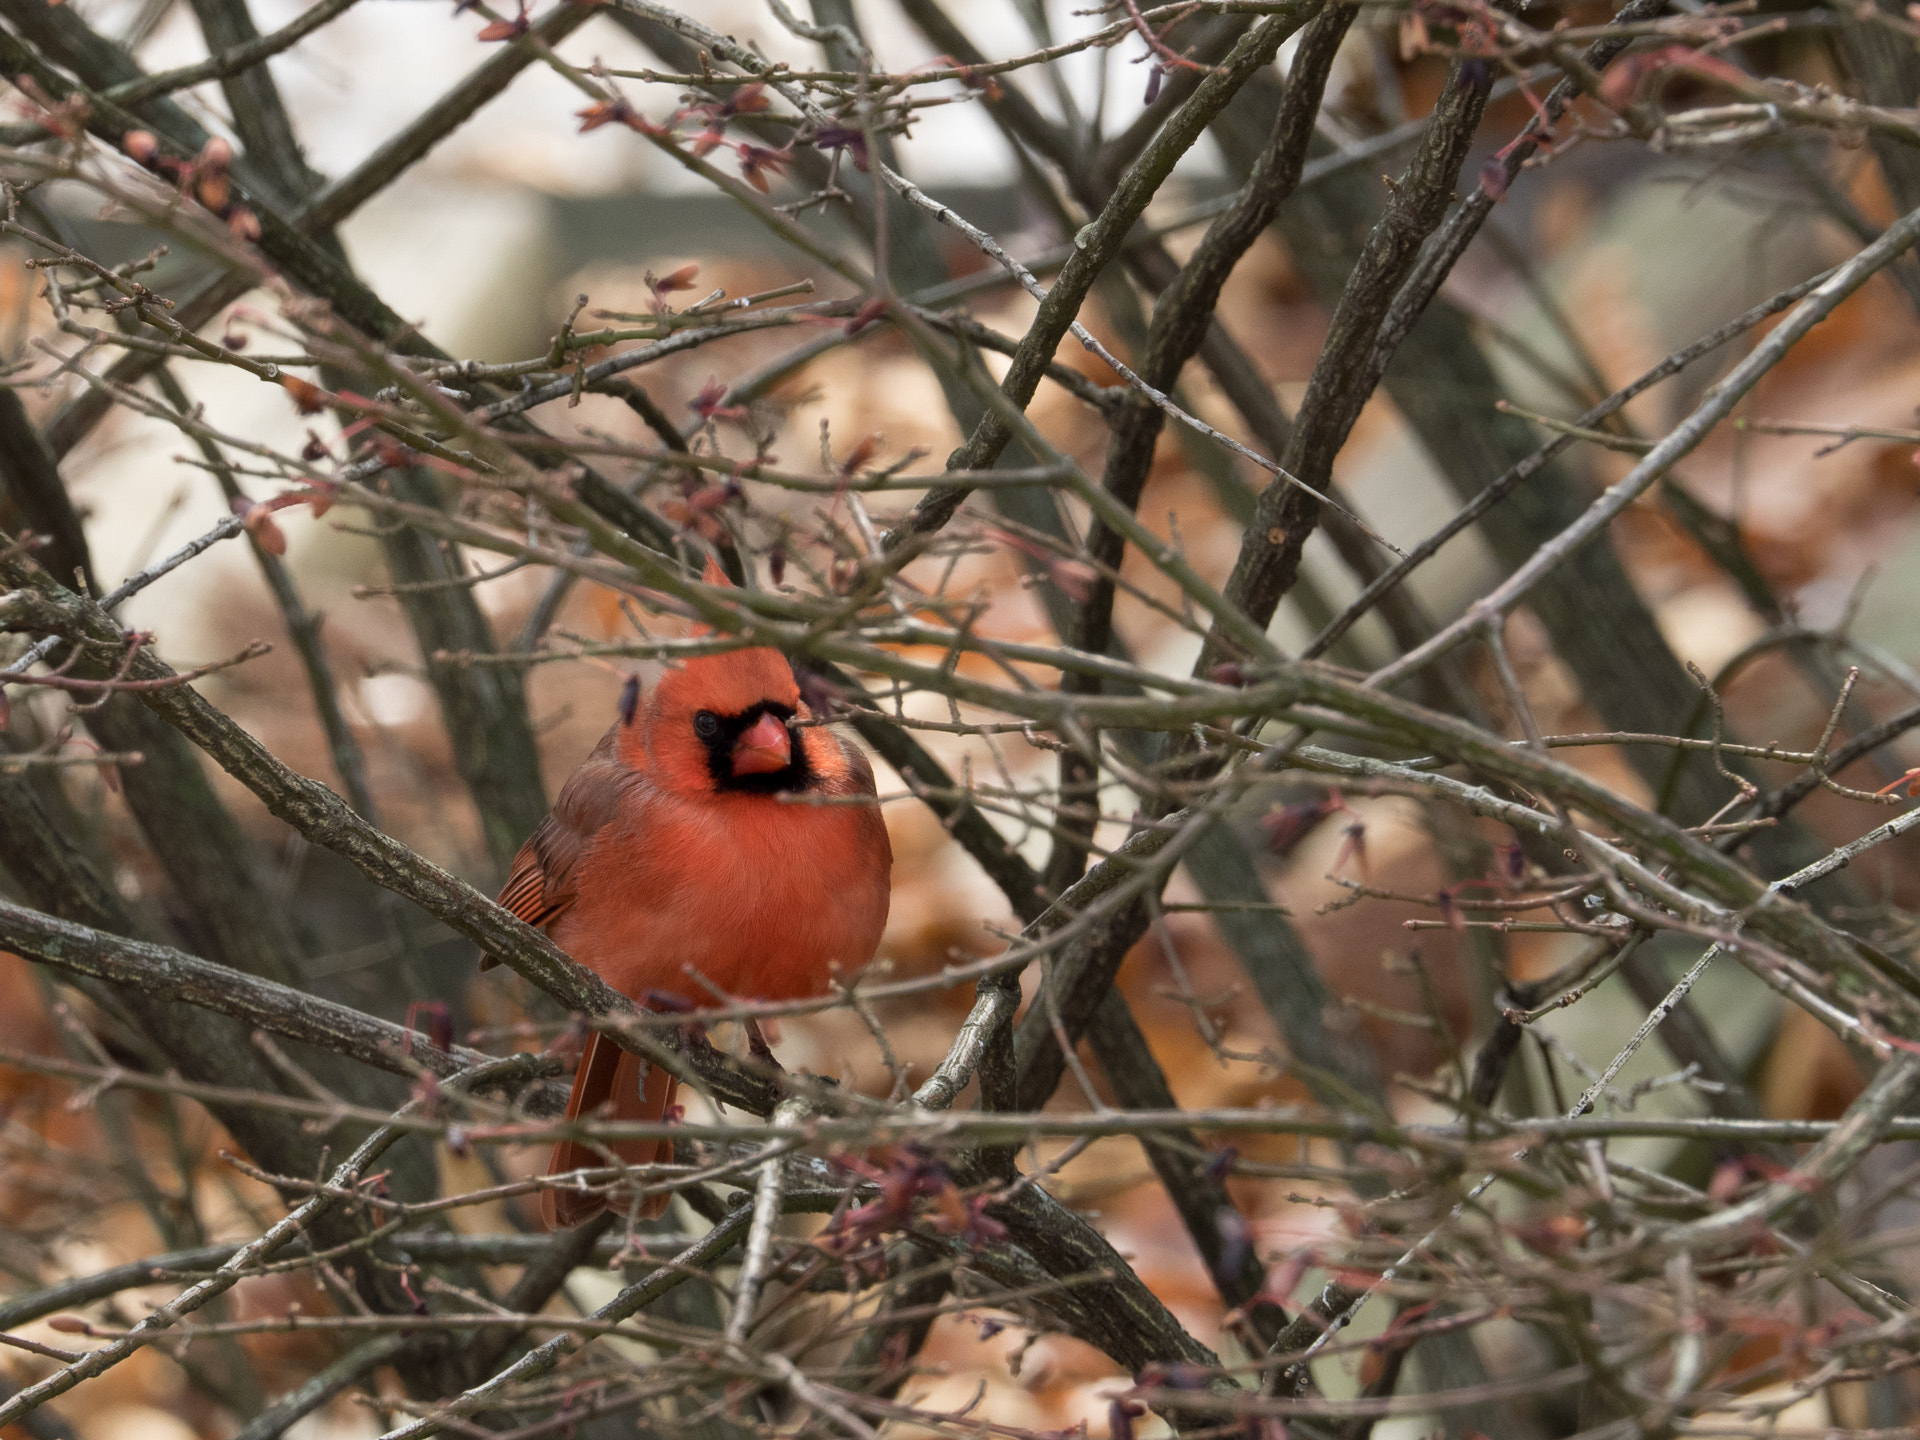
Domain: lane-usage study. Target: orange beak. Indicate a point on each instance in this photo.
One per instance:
(764, 749)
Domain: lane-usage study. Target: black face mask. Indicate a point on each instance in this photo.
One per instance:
(719, 734)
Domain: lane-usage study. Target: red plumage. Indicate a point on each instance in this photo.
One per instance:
(713, 835)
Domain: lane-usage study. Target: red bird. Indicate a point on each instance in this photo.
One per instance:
(702, 842)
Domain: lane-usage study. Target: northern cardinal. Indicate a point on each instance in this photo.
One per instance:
(693, 845)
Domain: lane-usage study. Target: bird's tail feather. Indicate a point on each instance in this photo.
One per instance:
(608, 1083)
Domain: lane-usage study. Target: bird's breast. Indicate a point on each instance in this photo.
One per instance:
(764, 899)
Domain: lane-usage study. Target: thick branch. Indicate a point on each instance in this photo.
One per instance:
(173, 975)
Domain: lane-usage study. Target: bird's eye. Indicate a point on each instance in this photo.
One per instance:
(706, 725)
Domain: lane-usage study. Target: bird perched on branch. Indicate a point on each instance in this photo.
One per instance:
(713, 844)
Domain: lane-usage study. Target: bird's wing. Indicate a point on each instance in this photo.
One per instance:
(537, 887)
(859, 772)
(541, 884)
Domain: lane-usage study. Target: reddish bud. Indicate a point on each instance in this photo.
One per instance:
(1728, 1177)
(712, 497)
(506, 29)
(1621, 79)
(757, 162)
(841, 137)
(69, 1325)
(707, 402)
(141, 146)
(266, 531)
(602, 112)
(965, 1216)
(214, 190)
(1513, 864)
(1220, 1166)
(1073, 578)
(1227, 673)
(1353, 846)
(698, 519)
(1181, 1375)
(985, 84)
(1494, 178)
(392, 453)
(747, 100)
(617, 110)
(68, 119)
(1288, 825)
(1555, 1235)
(1911, 780)
(307, 396)
(869, 311)
(860, 456)
(681, 279)
(1703, 64)
(243, 223)
(439, 1021)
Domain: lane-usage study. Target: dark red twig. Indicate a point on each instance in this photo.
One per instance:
(1166, 53)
